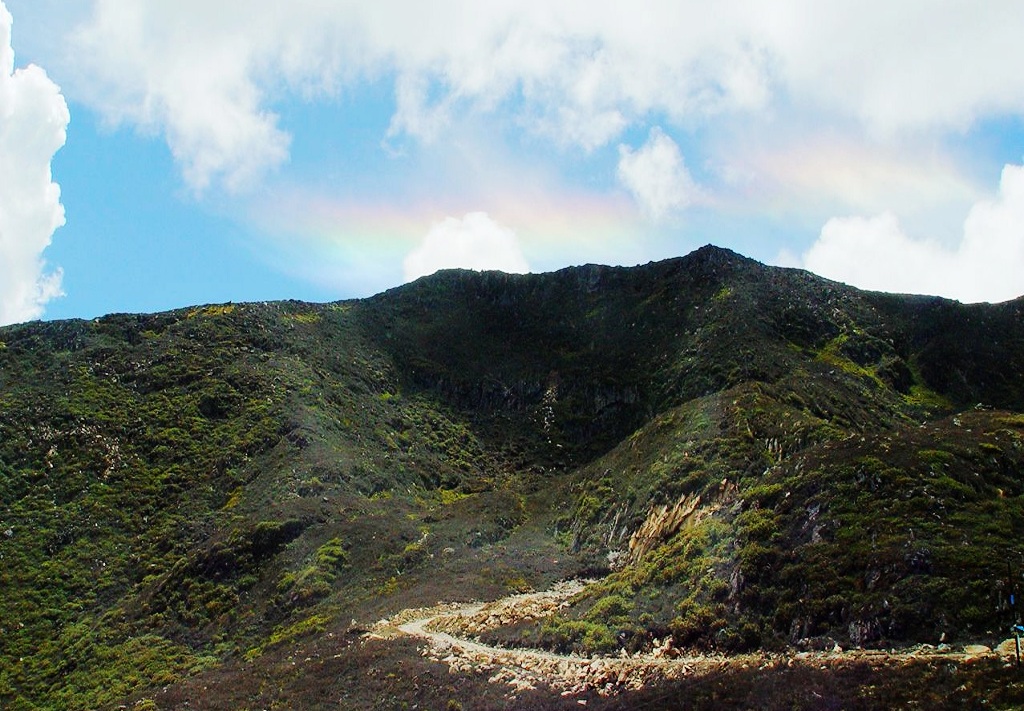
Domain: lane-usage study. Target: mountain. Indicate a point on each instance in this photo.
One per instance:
(746, 457)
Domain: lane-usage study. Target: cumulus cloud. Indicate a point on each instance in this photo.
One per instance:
(33, 126)
(473, 242)
(657, 176)
(902, 65)
(208, 75)
(986, 265)
(192, 72)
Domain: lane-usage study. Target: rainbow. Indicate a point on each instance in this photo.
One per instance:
(362, 243)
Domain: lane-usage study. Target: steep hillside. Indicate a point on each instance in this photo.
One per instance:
(749, 457)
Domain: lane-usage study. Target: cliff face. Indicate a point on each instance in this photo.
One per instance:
(752, 456)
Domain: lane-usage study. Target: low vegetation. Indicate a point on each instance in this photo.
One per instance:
(749, 458)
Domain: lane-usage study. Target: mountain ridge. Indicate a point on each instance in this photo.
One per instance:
(713, 437)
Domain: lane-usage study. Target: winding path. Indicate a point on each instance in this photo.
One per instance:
(450, 631)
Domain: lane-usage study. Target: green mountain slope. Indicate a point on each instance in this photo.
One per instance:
(753, 457)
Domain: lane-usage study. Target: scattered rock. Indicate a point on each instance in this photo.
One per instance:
(1007, 648)
(974, 651)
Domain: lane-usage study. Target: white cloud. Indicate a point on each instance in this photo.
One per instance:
(657, 176)
(193, 72)
(874, 253)
(473, 242)
(33, 125)
(899, 65)
(208, 75)
(986, 265)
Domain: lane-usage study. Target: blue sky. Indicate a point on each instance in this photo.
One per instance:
(168, 153)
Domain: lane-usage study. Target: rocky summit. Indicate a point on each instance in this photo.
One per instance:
(801, 494)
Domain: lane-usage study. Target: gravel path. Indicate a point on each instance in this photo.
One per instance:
(451, 632)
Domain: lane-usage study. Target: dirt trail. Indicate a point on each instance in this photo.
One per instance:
(451, 632)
